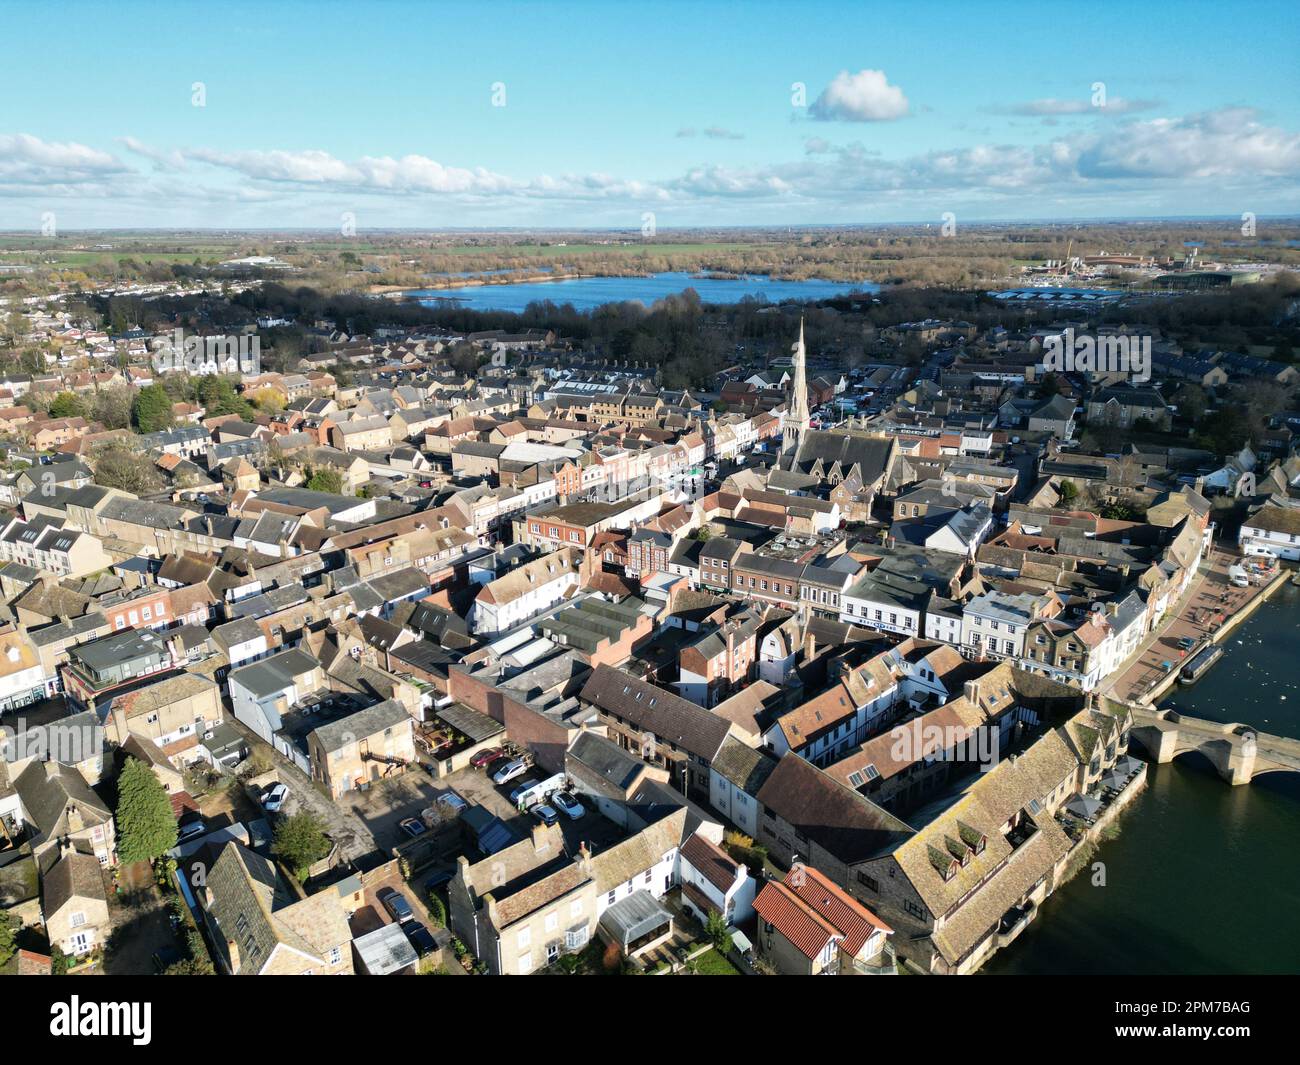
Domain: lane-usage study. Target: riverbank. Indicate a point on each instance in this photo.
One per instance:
(1230, 624)
(1199, 878)
(1204, 613)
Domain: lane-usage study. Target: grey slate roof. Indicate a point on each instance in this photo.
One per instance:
(670, 717)
(338, 734)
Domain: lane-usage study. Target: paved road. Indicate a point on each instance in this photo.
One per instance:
(1201, 612)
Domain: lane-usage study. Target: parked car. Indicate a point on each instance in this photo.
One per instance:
(396, 905)
(412, 826)
(438, 879)
(1186, 643)
(191, 830)
(509, 771)
(485, 758)
(518, 793)
(545, 814)
(421, 938)
(273, 798)
(452, 802)
(567, 804)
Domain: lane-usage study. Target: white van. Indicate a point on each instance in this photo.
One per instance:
(527, 797)
(1237, 577)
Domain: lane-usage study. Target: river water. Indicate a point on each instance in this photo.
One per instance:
(586, 293)
(1204, 877)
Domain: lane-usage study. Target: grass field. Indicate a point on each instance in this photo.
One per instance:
(46, 251)
(711, 963)
(551, 250)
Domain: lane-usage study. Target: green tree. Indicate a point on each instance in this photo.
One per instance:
(437, 909)
(1069, 493)
(218, 396)
(716, 929)
(326, 481)
(67, 405)
(146, 825)
(190, 967)
(300, 842)
(152, 409)
(7, 945)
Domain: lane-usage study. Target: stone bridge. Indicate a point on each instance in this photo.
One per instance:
(1238, 752)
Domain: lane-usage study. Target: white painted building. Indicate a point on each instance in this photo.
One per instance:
(526, 591)
(1272, 531)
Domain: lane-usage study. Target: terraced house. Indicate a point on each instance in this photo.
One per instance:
(971, 879)
(665, 729)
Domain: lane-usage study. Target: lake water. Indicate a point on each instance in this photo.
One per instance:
(1204, 877)
(586, 293)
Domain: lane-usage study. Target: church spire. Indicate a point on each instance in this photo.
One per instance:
(796, 417)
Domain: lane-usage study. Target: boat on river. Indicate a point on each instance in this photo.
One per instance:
(1199, 663)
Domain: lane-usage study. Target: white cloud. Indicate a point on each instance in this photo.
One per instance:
(713, 133)
(1228, 143)
(1194, 159)
(409, 174)
(1051, 107)
(25, 159)
(865, 96)
(164, 160)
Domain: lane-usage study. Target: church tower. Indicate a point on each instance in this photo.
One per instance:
(796, 417)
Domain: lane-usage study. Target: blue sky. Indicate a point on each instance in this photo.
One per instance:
(687, 111)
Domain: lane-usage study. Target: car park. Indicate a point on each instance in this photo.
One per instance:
(568, 805)
(273, 798)
(396, 905)
(510, 771)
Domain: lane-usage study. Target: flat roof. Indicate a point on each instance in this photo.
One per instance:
(385, 951)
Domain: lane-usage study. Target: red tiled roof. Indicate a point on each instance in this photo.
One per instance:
(180, 746)
(182, 801)
(809, 910)
(32, 964)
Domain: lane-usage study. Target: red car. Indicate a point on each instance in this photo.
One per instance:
(486, 758)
